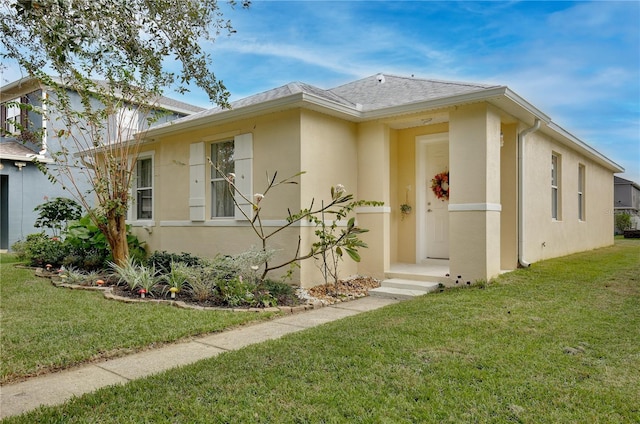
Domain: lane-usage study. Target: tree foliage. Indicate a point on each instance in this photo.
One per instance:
(56, 213)
(124, 42)
(622, 221)
(113, 54)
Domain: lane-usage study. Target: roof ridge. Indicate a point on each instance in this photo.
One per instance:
(412, 78)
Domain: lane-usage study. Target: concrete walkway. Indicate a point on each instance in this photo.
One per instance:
(56, 388)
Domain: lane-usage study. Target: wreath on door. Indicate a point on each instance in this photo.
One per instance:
(440, 185)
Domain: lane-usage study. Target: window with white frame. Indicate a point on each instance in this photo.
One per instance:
(555, 186)
(581, 187)
(222, 205)
(12, 116)
(144, 188)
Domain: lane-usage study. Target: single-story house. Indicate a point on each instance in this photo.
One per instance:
(522, 188)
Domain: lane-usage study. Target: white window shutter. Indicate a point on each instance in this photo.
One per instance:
(243, 157)
(197, 170)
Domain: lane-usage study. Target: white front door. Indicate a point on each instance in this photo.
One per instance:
(436, 214)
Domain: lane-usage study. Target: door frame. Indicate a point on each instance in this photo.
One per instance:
(422, 141)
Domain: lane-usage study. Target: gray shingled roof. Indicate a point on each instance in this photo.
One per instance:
(13, 148)
(382, 91)
(363, 95)
(173, 104)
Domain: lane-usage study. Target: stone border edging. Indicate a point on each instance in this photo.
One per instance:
(108, 293)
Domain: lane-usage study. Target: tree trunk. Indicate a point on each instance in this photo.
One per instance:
(117, 237)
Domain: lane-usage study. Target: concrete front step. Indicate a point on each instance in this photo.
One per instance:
(400, 289)
(429, 278)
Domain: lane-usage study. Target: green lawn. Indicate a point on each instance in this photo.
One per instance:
(44, 328)
(556, 343)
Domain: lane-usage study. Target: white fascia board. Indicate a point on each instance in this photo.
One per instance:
(353, 114)
(282, 103)
(524, 104)
(25, 158)
(442, 102)
(18, 88)
(574, 142)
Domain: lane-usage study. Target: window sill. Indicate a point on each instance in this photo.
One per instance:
(142, 223)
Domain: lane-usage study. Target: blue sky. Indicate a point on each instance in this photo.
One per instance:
(578, 62)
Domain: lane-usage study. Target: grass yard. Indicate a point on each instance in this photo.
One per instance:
(556, 343)
(45, 328)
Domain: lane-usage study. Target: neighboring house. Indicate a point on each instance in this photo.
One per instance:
(626, 199)
(522, 188)
(27, 137)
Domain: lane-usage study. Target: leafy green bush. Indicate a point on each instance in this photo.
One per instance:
(235, 291)
(19, 249)
(56, 213)
(89, 249)
(281, 292)
(39, 250)
(163, 261)
(623, 221)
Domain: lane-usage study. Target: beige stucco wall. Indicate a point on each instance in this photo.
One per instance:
(376, 162)
(374, 177)
(277, 148)
(474, 160)
(509, 198)
(546, 237)
(328, 156)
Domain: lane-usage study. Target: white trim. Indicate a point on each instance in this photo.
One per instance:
(243, 168)
(142, 223)
(197, 176)
(470, 207)
(26, 158)
(373, 209)
(131, 207)
(231, 222)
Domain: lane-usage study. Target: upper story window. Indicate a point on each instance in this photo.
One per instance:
(222, 205)
(555, 186)
(581, 193)
(127, 123)
(14, 117)
(143, 188)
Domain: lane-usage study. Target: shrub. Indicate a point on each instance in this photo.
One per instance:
(178, 276)
(56, 213)
(126, 273)
(282, 293)
(163, 261)
(200, 284)
(623, 221)
(147, 279)
(39, 250)
(236, 291)
(89, 249)
(19, 248)
(76, 276)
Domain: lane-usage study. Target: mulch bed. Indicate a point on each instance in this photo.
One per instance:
(326, 294)
(348, 289)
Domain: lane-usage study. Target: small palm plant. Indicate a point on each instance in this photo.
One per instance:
(147, 280)
(126, 273)
(136, 276)
(177, 277)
